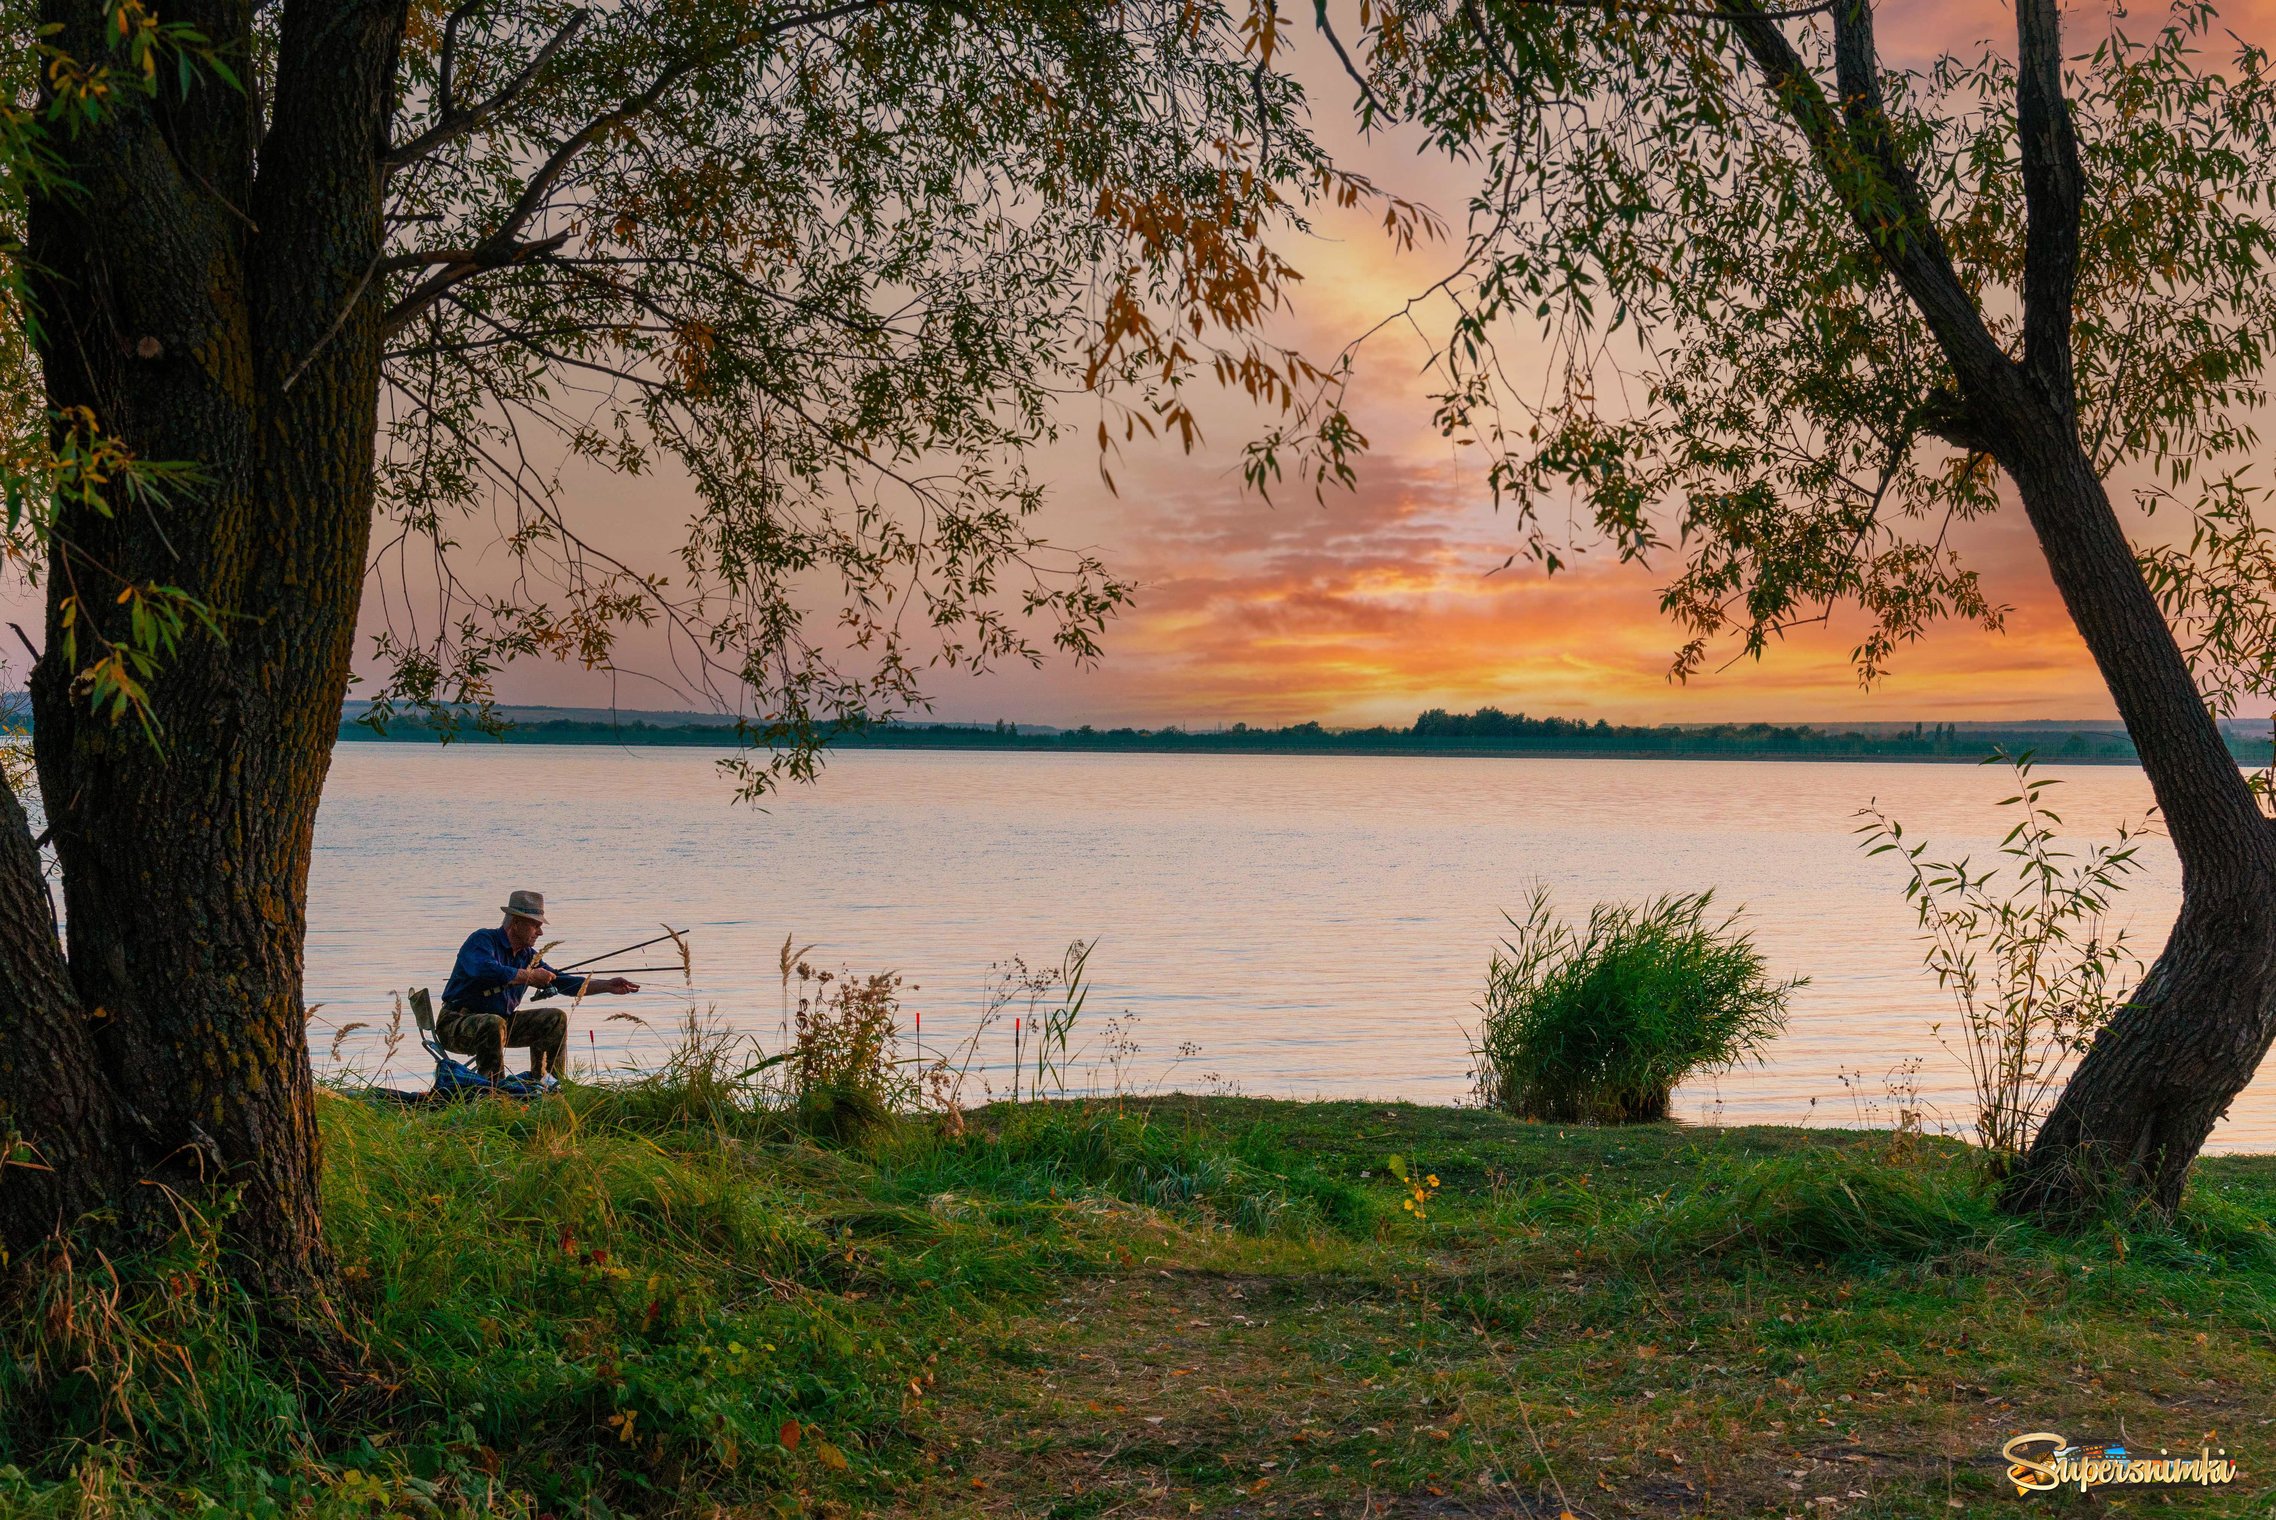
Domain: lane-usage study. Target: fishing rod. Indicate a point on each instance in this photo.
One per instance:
(686, 966)
(668, 934)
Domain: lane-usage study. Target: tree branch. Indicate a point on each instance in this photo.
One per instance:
(2054, 189)
(1860, 165)
(534, 194)
(446, 66)
(1373, 106)
(459, 266)
(541, 183)
(1493, 49)
(452, 124)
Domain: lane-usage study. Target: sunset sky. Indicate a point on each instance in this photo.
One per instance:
(1376, 604)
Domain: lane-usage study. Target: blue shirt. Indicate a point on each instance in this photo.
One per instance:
(483, 978)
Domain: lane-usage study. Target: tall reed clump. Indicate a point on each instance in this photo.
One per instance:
(841, 1075)
(1597, 1025)
(1045, 1004)
(846, 1074)
(2025, 950)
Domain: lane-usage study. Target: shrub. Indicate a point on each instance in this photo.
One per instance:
(841, 1078)
(2027, 953)
(1598, 1025)
(847, 1077)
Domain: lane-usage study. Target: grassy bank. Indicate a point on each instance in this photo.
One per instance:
(637, 1302)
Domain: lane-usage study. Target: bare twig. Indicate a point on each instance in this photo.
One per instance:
(452, 124)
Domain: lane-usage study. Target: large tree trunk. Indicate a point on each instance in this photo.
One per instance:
(2165, 1070)
(202, 313)
(2167, 1066)
(59, 1156)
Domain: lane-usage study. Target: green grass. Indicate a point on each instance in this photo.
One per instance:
(648, 1302)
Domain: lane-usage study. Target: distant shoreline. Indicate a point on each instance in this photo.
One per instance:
(724, 740)
(1548, 739)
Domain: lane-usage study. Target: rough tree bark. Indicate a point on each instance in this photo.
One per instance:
(204, 306)
(2165, 1069)
(2162, 1072)
(2136, 1113)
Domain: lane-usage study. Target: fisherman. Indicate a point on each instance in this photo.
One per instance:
(482, 1012)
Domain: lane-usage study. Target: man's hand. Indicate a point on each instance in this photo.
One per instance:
(615, 984)
(533, 976)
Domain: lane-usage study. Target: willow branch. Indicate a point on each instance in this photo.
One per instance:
(452, 124)
(504, 240)
(462, 265)
(1859, 162)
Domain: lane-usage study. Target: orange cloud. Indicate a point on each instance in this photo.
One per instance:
(1379, 604)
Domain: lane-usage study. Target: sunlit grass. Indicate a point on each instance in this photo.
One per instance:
(663, 1299)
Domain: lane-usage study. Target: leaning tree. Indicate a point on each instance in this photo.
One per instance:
(1806, 311)
(315, 299)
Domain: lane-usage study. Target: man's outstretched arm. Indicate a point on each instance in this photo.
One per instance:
(573, 982)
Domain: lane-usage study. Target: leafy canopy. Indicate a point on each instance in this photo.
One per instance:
(1735, 380)
(836, 268)
(828, 271)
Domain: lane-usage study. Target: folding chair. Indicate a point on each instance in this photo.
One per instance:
(453, 1077)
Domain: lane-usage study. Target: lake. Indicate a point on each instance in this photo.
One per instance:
(1296, 926)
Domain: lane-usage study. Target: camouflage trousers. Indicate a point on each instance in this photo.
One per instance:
(484, 1036)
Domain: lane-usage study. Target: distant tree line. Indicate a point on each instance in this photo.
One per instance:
(1488, 731)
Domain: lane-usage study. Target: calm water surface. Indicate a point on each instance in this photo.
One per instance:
(1315, 926)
